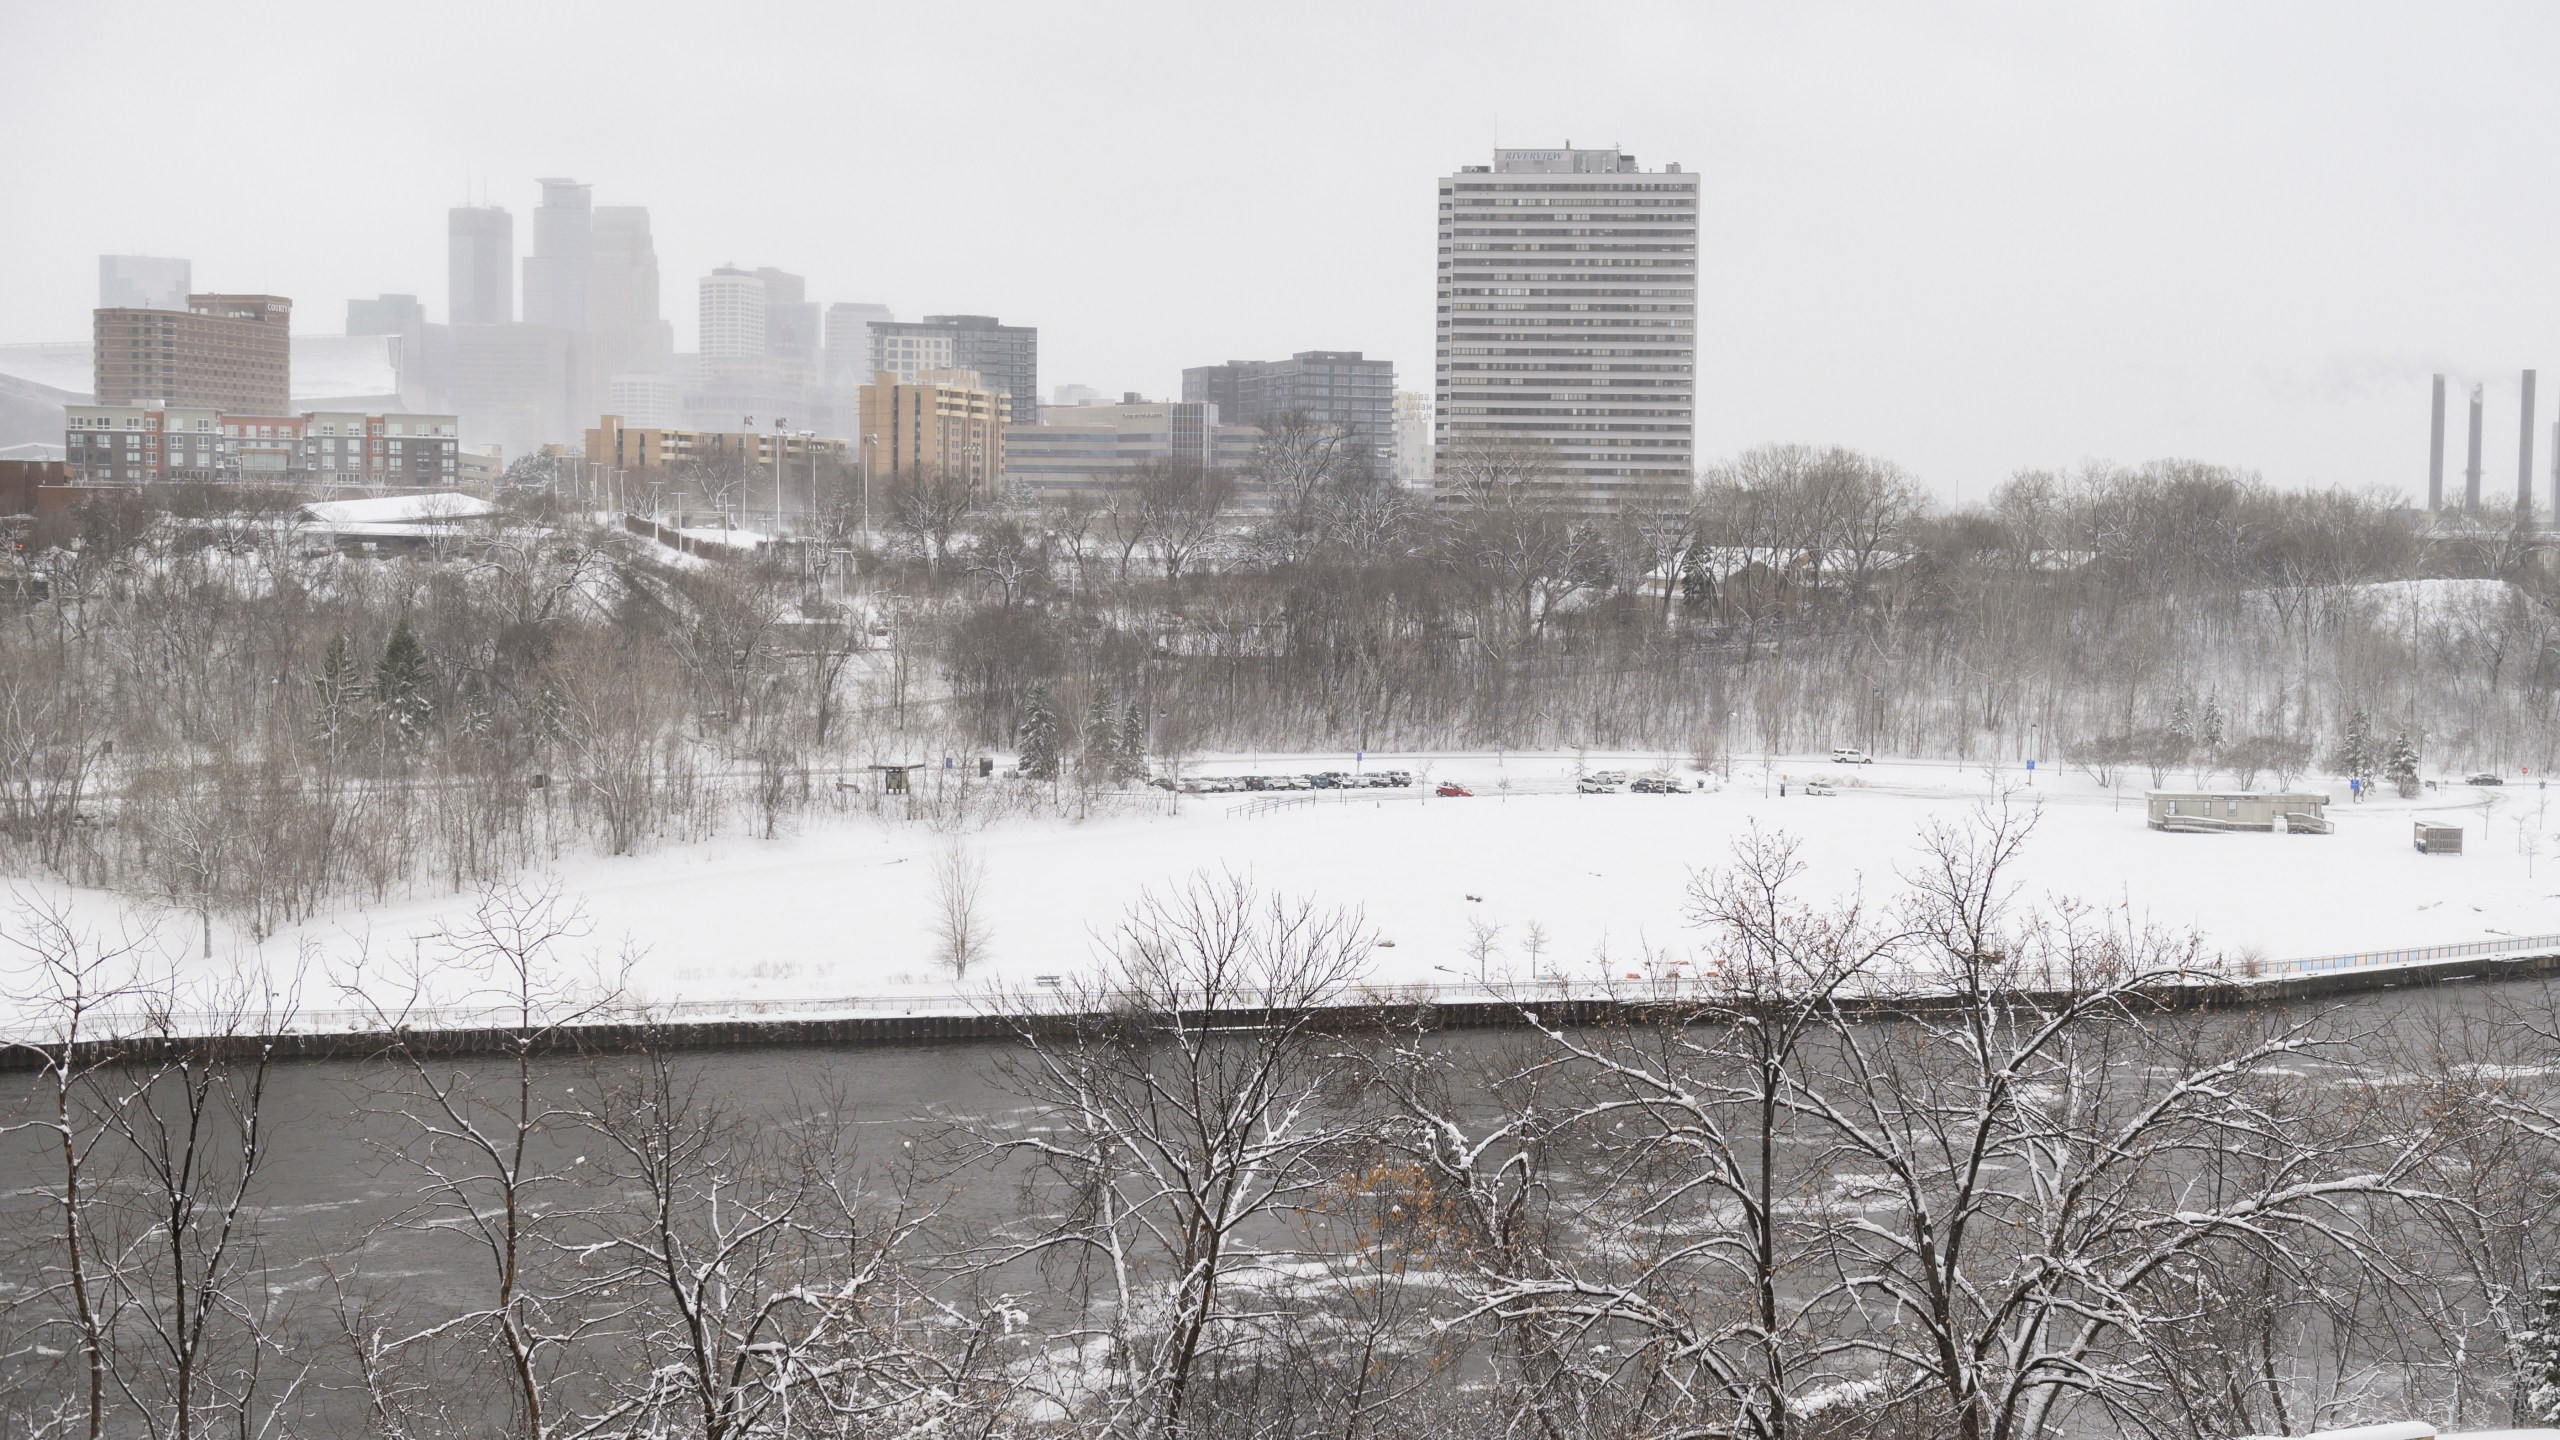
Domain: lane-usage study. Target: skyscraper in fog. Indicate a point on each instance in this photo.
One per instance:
(849, 325)
(622, 295)
(731, 315)
(480, 258)
(790, 326)
(558, 274)
(143, 282)
(1568, 319)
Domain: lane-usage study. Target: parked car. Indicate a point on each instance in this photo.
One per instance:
(1596, 785)
(1850, 755)
(1452, 790)
(1655, 785)
(2485, 778)
(1401, 779)
(1819, 787)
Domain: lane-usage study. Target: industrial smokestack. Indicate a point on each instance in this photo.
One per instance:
(2471, 470)
(2524, 455)
(2435, 452)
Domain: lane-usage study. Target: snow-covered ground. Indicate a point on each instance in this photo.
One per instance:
(842, 911)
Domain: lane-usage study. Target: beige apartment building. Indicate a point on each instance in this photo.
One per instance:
(637, 448)
(943, 425)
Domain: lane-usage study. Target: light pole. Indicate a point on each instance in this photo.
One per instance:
(809, 442)
(870, 448)
(780, 434)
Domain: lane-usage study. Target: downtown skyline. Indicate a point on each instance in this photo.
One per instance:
(2017, 240)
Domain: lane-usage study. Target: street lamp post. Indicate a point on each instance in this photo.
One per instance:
(870, 448)
(780, 435)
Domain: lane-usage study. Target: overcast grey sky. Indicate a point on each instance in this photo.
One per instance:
(1973, 238)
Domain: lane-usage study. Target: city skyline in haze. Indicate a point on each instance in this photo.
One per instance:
(1974, 241)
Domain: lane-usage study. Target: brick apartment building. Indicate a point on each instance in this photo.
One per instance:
(232, 353)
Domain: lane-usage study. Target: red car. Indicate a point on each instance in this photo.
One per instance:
(1450, 789)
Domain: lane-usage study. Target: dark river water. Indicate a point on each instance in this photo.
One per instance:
(330, 1179)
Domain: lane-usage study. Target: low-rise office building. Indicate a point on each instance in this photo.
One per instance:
(1090, 448)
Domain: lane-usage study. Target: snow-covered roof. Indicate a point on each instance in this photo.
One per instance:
(444, 505)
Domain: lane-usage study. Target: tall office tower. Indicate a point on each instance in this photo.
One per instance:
(480, 265)
(1332, 387)
(1568, 321)
(731, 315)
(791, 325)
(622, 294)
(848, 342)
(143, 282)
(1006, 357)
(559, 272)
(232, 353)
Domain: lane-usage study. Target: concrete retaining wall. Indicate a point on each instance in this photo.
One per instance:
(853, 1032)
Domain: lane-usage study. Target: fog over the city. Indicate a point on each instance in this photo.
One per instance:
(1971, 238)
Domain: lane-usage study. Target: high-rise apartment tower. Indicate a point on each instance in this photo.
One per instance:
(1568, 321)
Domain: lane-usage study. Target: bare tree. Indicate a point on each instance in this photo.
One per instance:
(485, 1175)
(960, 923)
(1198, 1102)
(767, 1293)
(81, 987)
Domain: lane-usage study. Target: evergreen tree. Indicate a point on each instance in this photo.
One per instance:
(1100, 764)
(2182, 727)
(401, 681)
(340, 691)
(1133, 741)
(1038, 735)
(1695, 588)
(2537, 1356)
(2401, 767)
(2355, 753)
(2211, 734)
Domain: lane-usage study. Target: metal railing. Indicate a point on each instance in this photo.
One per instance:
(2417, 955)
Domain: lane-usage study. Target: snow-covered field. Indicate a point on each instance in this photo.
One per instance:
(842, 910)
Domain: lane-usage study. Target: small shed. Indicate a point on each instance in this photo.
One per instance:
(2433, 838)
(2283, 811)
(893, 777)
